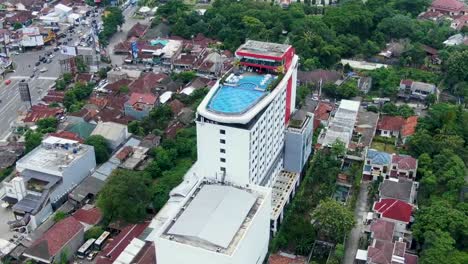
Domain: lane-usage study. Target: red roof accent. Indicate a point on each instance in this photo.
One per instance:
(138, 30)
(176, 106)
(38, 112)
(147, 82)
(380, 253)
(406, 82)
(447, 5)
(409, 127)
(280, 258)
(113, 249)
(392, 123)
(59, 235)
(124, 153)
(115, 86)
(404, 162)
(143, 98)
(101, 102)
(411, 259)
(394, 209)
(382, 229)
(323, 110)
(54, 96)
(172, 128)
(67, 135)
(88, 216)
(84, 77)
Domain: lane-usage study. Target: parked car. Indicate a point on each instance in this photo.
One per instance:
(43, 70)
(7, 82)
(37, 63)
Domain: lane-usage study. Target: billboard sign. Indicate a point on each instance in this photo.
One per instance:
(67, 50)
(134, 49)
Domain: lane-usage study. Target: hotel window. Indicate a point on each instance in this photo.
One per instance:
(222, 141)
(223, 169)
(222, 159)
(222, 150)
(222, 131)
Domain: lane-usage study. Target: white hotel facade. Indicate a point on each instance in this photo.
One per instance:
(233, 197)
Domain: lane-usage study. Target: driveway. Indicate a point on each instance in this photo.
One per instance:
(359, 213)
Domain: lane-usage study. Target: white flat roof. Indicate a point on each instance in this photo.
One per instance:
(109, 130)
(215, 214)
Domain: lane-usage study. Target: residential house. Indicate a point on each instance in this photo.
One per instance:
(88, 216)
(31, 37)
(400, 189)
(65, 237)
(403, 166)
(322, 114)
(457, 39)
(131, 157)
(390, 126)
(115, 133)
(376, 164)
(23, 17)
(460, 22)
(386, 246)
(417, 90)
(316, 77)
(395, 211)
(151, 141)
(140, 104)
(176, 106)
(9, 154)
(448, 7)
(67, 135)
(392, 50)
(137, 31)
(148, 82)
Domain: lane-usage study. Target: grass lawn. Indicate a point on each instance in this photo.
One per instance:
(385, 147)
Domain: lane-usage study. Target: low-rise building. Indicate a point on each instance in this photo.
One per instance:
(376, 164)
(390, 126)
(45, 177)
(417, 90)
(403, 166)
(140, 104)
(286, 258)
(341, 127)
(399, 189)
(298, 141)
(114, 133)
(448, 7)
(65, 237)
(395, 211)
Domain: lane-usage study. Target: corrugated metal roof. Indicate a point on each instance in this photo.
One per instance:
(215, 214)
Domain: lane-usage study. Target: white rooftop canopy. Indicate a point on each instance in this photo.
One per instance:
(215, 214)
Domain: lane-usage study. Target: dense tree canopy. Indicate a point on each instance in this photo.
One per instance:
(333, 219)
(101, 147)
(125, 196)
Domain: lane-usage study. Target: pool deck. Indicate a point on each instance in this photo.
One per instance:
(239, 93)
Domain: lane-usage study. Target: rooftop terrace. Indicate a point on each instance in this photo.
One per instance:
(239, 93)
(263, 48)
(53, 155)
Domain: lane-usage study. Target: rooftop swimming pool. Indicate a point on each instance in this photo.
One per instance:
(239, 93)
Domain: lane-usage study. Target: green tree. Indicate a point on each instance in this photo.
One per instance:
(124, 89)
(439, 248)
(333, 220)
(59, 215)
(390, 109)
(47, 125)
(457, 67)
(302, 92)
(60, 84)
(67, 77)
(101, 147)
(93, 232)
(102, 73)
(125, 196)
(17, 25)
(32, 140)
(185, 76)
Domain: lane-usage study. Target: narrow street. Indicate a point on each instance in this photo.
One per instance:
(359, 212)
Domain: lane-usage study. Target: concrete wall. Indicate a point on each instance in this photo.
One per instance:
(298, 147)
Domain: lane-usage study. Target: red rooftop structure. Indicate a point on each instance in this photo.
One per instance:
(38, 112)
(394, 209)
(113, 249)
(448, 7)
(67, 234)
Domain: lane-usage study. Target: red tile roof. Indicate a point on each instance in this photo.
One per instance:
(38, 112)
(392, 123)
(99, 101)
(394, 209)
(67, 135)
(176, 106)
(84, 77)
(88, 216)
(447, 5)
(54, 96)
(143, 98)
(281, 258)
(172, 128)
(411, 259)
(323, 110)
(124, 153)
(409, 127)
(382, 229)
(147, 82)
(138, 30)
(380, 253)
(147, 255)
(113, 249)
(53, 240)
(404, 162)
(406, 82)
(115, 86)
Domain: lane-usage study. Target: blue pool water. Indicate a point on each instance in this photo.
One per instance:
(239, 97)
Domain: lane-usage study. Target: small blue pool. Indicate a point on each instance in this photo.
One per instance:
(238, 95)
